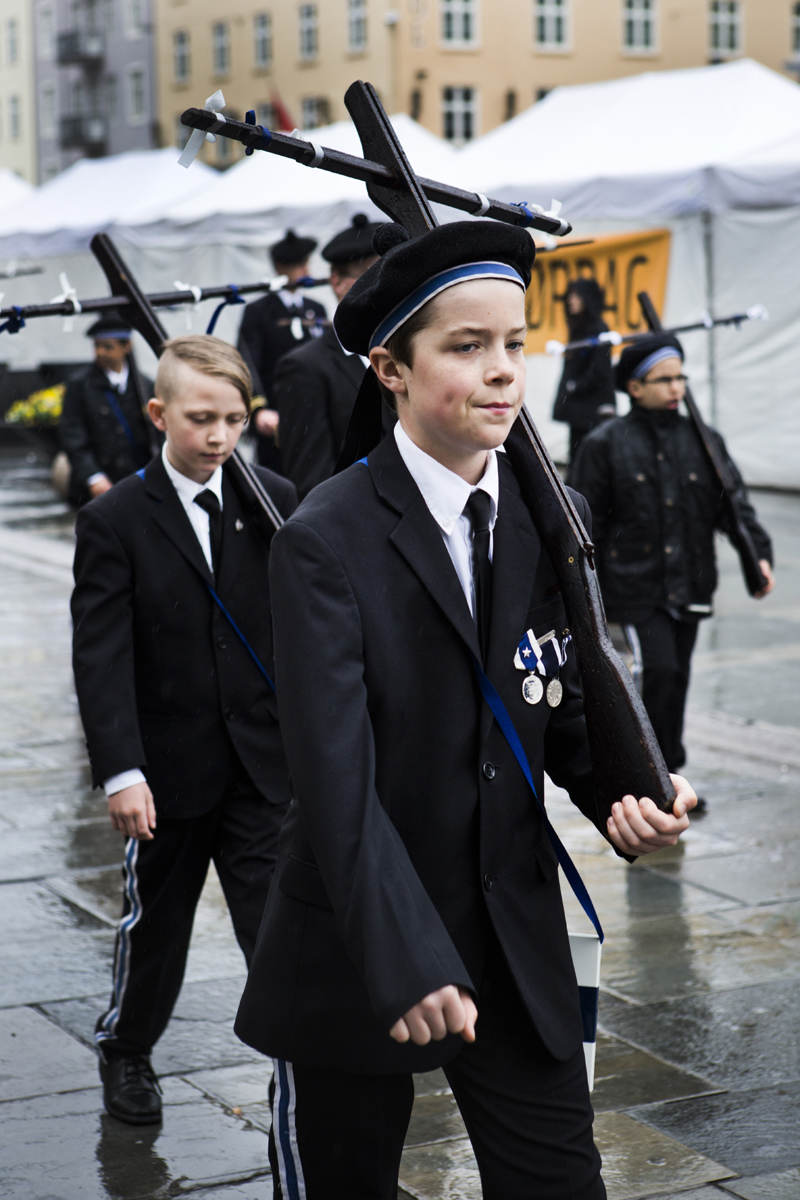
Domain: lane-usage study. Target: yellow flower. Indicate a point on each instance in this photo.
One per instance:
(40, 408)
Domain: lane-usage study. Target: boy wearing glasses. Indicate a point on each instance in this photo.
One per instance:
(655, 507)
(180, 724)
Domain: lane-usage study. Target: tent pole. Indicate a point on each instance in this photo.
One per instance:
(708, 255)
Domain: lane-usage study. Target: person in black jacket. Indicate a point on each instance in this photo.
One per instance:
(415, 917)
(104, 428)
(180, 722)
(270, 328)
(316, 384)
(585, 395)
(655, 507)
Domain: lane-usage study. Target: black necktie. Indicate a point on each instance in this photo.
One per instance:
(479, 510)
(208, 501)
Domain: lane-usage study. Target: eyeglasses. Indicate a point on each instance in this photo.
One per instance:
(666, 379)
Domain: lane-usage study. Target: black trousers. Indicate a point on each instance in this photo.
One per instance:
(162, 882)
(338, 1136)
(666, 646)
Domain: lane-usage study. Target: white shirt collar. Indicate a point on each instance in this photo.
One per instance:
(188, 488)
(444, 492)
(118, 378)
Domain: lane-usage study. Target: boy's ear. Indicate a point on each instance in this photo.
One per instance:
(389, 372)
(634, 388)
(155, 411)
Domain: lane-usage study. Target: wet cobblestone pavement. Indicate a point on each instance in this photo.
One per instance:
(698, 1074)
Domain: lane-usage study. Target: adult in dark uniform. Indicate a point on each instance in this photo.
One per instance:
(586, 394)
(104, 428)
(316, 384)
(270, 328)
(180, 723)
(656, 505)
(416, 889)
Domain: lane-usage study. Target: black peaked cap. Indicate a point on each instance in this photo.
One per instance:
(292, 249)
(110, 325)
(638, 351)
(352, 243)
(408, 263)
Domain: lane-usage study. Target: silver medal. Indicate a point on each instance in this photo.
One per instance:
(532, 689)
(554, 693)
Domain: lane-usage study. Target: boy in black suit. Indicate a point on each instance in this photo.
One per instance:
(180, 723)
(415, 917)
(315, 385)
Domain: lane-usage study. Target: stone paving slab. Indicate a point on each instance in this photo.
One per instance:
(50, 948)
(740, 1038)
(626, 1075)
(62, 1147)
(59, 1063)
(783, 1185)
(754, 1132)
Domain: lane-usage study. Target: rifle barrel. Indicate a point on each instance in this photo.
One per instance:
(309, 154)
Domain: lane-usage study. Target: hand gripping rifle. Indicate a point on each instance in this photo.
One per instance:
(625, 753)
(143, 319)
(738, 532)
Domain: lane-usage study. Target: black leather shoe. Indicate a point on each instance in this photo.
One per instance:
(130, 1089)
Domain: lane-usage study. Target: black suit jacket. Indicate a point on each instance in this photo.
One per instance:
(92, 435)
(267, 333)
(163, 682)
(314, 390)
(412, 834)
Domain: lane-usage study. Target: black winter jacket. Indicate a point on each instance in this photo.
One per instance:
(655, 506)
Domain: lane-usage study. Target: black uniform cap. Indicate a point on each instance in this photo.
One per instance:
(292, 249)
(412, 271)
(110, 325)
(352, 243)
(638, 358)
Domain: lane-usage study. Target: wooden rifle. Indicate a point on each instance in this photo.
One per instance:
(625, 753)
(737, 530)
(139, 312)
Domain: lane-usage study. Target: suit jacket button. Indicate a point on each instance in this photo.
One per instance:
(488, 770)
(488, 881)
(221, 643)
(229, 714)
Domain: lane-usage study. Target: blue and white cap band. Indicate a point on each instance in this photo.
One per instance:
(641, 369)
(432, 287)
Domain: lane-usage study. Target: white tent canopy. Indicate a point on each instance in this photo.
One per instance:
(93, 195)
(13, 189)
(656, 145)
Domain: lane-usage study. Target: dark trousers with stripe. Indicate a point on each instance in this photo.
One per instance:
(337, 1135)
(666, 646)
(162, 882)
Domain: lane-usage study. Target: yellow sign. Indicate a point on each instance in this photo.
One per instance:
(623, 264)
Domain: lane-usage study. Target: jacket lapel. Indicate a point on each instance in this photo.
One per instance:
(170, 515)
(234, 536)
(419, 540)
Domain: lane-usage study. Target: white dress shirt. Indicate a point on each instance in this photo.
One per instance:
(446, 494)
(187, 489)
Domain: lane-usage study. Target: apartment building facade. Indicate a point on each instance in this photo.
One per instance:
(460, 67)
(17, 96)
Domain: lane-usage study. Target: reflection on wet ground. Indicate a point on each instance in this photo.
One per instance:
(698, 1079)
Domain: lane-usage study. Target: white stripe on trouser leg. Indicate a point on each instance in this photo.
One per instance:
(122, 964)
(285, 1132)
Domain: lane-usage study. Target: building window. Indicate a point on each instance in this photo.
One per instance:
(14, 118)
(181, 55)
(262, 39)
(12, 40)
(221, 48)
(638, 24)
(724, 27)
(459, 23)
(46, 34)
(134, 17)
(265, 115)
(356, 26)
(309, 32)
(458, 114)
(111, 96)
(137, 105)
(47, 111)
(551, 19)
(796, 29)
(314, 111)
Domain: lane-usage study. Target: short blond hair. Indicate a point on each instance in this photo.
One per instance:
(208, 355)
